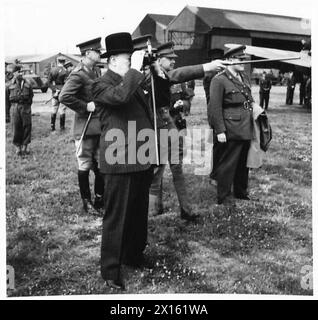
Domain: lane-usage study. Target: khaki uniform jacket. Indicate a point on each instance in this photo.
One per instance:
(76, 93)
(228, 109)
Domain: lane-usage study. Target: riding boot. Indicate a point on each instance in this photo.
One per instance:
(83, 181)
(62, 121)
(53, 118)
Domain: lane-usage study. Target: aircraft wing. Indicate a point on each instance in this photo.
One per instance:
(268, 53)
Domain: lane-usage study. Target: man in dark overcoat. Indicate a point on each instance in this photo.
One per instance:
(125, 114)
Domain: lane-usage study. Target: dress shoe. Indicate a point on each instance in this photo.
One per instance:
(87, 206)
(188, 216)
(98, 202)
(116, 284)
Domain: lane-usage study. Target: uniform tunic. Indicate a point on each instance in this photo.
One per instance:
(230, 111)
(20, 97)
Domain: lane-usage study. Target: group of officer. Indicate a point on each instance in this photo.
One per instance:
(124, 94)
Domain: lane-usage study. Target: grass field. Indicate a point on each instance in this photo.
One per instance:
(256, 247)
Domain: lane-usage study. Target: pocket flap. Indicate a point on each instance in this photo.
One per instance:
(232, 116)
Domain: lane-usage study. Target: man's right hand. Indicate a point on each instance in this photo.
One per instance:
(214, 66)
(221, 137)
(90, 107)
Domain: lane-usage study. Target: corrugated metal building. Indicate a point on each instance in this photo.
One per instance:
(200, 33)
(156, 25)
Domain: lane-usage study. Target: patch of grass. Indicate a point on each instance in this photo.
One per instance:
(254, 247)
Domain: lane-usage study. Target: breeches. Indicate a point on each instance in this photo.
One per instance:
(57, 105)
(88, 154)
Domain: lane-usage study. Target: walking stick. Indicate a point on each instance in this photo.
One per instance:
(153, 104)
(260, 60)
(84, 132)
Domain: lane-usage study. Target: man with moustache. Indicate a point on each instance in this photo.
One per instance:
(76, 95)
(230, 115)
(165, 76)
(122, 102)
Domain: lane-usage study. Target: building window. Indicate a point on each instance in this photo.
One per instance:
(186, 40)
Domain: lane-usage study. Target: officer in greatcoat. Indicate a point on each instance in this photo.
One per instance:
(230, 116)
(76, 95)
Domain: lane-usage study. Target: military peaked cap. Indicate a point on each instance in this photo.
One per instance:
(93, 44)
(166, 50)
(236, 52)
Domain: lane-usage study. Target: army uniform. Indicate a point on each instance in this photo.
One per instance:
(20, 96)
(230, 112)
(264, 91)
(166, 93)
(8, 78)
(56, 80)
(291, 82)
(76, 94)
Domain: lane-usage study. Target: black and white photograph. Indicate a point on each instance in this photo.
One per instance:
(157, 148)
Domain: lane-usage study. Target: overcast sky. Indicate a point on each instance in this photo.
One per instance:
(52, 26)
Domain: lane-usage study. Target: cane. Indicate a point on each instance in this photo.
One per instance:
(84, 132)
(153, 104)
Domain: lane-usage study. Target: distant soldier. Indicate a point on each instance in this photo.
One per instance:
(8, 78)
(302, 88)
(20, 94)
(308, 93)
(68, 65)
(265, 86)
(190, 85)
(56, 80)
(291, 82)
(76, 95)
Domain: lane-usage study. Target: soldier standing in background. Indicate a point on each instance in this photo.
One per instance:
(76, 95)
(230, 116)
(291, 82)
(302, 89)
(265, 86)
(56, 80)
(20, 94)
(8, 78)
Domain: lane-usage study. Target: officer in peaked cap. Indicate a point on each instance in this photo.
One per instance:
(91, 45)
(166, 50)
(166, 79)
(230, 114)
(76, 94)
(237, 52)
